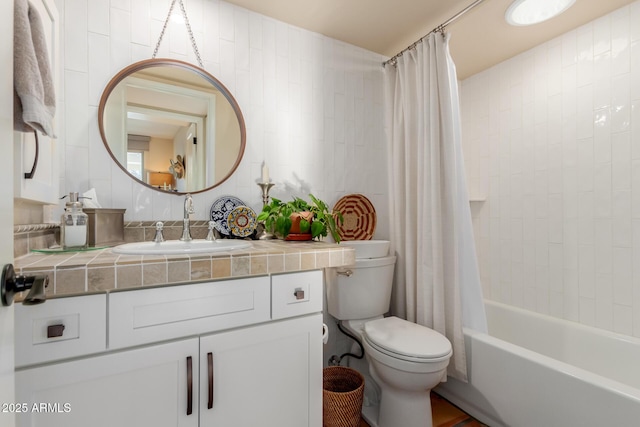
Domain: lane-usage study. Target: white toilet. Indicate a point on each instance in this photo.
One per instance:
(406, 360)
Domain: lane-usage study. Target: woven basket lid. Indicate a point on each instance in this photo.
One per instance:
(359, 217)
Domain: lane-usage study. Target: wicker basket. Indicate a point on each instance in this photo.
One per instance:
(343, 390)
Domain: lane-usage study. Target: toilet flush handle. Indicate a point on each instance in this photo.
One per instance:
(347, 273)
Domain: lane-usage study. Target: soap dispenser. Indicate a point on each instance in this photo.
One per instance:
(73, 227)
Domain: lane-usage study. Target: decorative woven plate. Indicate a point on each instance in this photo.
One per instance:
(220, 210)
(359, 217)
(242, 221)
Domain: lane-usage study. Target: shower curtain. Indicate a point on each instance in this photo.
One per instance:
(437, 283)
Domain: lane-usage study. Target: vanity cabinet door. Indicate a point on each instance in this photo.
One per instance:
(43, 186)
(139, 387)
(268, 375)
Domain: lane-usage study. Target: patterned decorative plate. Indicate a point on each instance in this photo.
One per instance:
(242, 221)
(220, 210)
(359, 217)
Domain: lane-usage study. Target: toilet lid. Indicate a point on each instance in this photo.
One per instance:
(406, 339)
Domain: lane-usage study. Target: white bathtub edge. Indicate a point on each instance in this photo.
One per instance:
(496, 385)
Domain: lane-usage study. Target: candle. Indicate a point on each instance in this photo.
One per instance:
(265, 172)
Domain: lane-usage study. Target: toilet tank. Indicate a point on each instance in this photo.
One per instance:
(360, 291)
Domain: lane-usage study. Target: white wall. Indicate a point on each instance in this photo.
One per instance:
(7, 345)
(312, 105)
(156, 158)
(552, 139)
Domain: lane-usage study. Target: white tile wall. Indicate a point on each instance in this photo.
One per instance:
(552, 139)
(312, 105)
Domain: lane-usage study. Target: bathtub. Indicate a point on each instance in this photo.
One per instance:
(535, 370)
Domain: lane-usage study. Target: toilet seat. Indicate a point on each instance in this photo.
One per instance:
(405, 340)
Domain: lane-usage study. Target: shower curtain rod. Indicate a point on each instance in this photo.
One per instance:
(394, 59)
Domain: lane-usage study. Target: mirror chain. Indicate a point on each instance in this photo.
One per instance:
(186, 21)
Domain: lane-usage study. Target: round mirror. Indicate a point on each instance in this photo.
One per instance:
(172, 126)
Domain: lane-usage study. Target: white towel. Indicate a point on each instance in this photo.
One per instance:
(34, 95)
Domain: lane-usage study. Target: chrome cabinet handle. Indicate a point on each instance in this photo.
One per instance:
(299, 294)
(189, 386)
(210, 372)
(347, 273)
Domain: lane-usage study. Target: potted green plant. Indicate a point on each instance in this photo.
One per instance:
(299, 216)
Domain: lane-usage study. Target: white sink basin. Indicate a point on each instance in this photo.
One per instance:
(173, 247)
(368, 248)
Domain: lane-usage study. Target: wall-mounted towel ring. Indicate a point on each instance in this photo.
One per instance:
(29, 175)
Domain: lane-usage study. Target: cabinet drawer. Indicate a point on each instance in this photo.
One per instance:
(151, 315)
(60, 328)
(294, 294)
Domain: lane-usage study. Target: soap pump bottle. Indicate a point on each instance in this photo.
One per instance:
(73, 227)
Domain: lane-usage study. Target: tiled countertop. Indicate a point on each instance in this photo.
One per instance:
(102, 270)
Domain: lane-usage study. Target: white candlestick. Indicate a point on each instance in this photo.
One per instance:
(265, 172)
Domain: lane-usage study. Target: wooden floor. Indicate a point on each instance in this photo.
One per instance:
(446, 415)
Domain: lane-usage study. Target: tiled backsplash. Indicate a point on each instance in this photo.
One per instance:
(552, 140)
(143, 231)
(34, 236)
(43, 236)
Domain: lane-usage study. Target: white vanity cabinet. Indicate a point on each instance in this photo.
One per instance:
(146, 386)
(187, 356)
(268, 375)
(42, 186)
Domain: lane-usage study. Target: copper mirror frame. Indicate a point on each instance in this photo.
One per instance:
(185, 66)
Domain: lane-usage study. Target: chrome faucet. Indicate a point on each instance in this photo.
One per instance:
(188, 210)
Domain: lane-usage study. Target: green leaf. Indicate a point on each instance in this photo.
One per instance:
(280, 223)
(333, 228)
(304, 226)
(332, 222)
(283, 225)
(317, 228)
